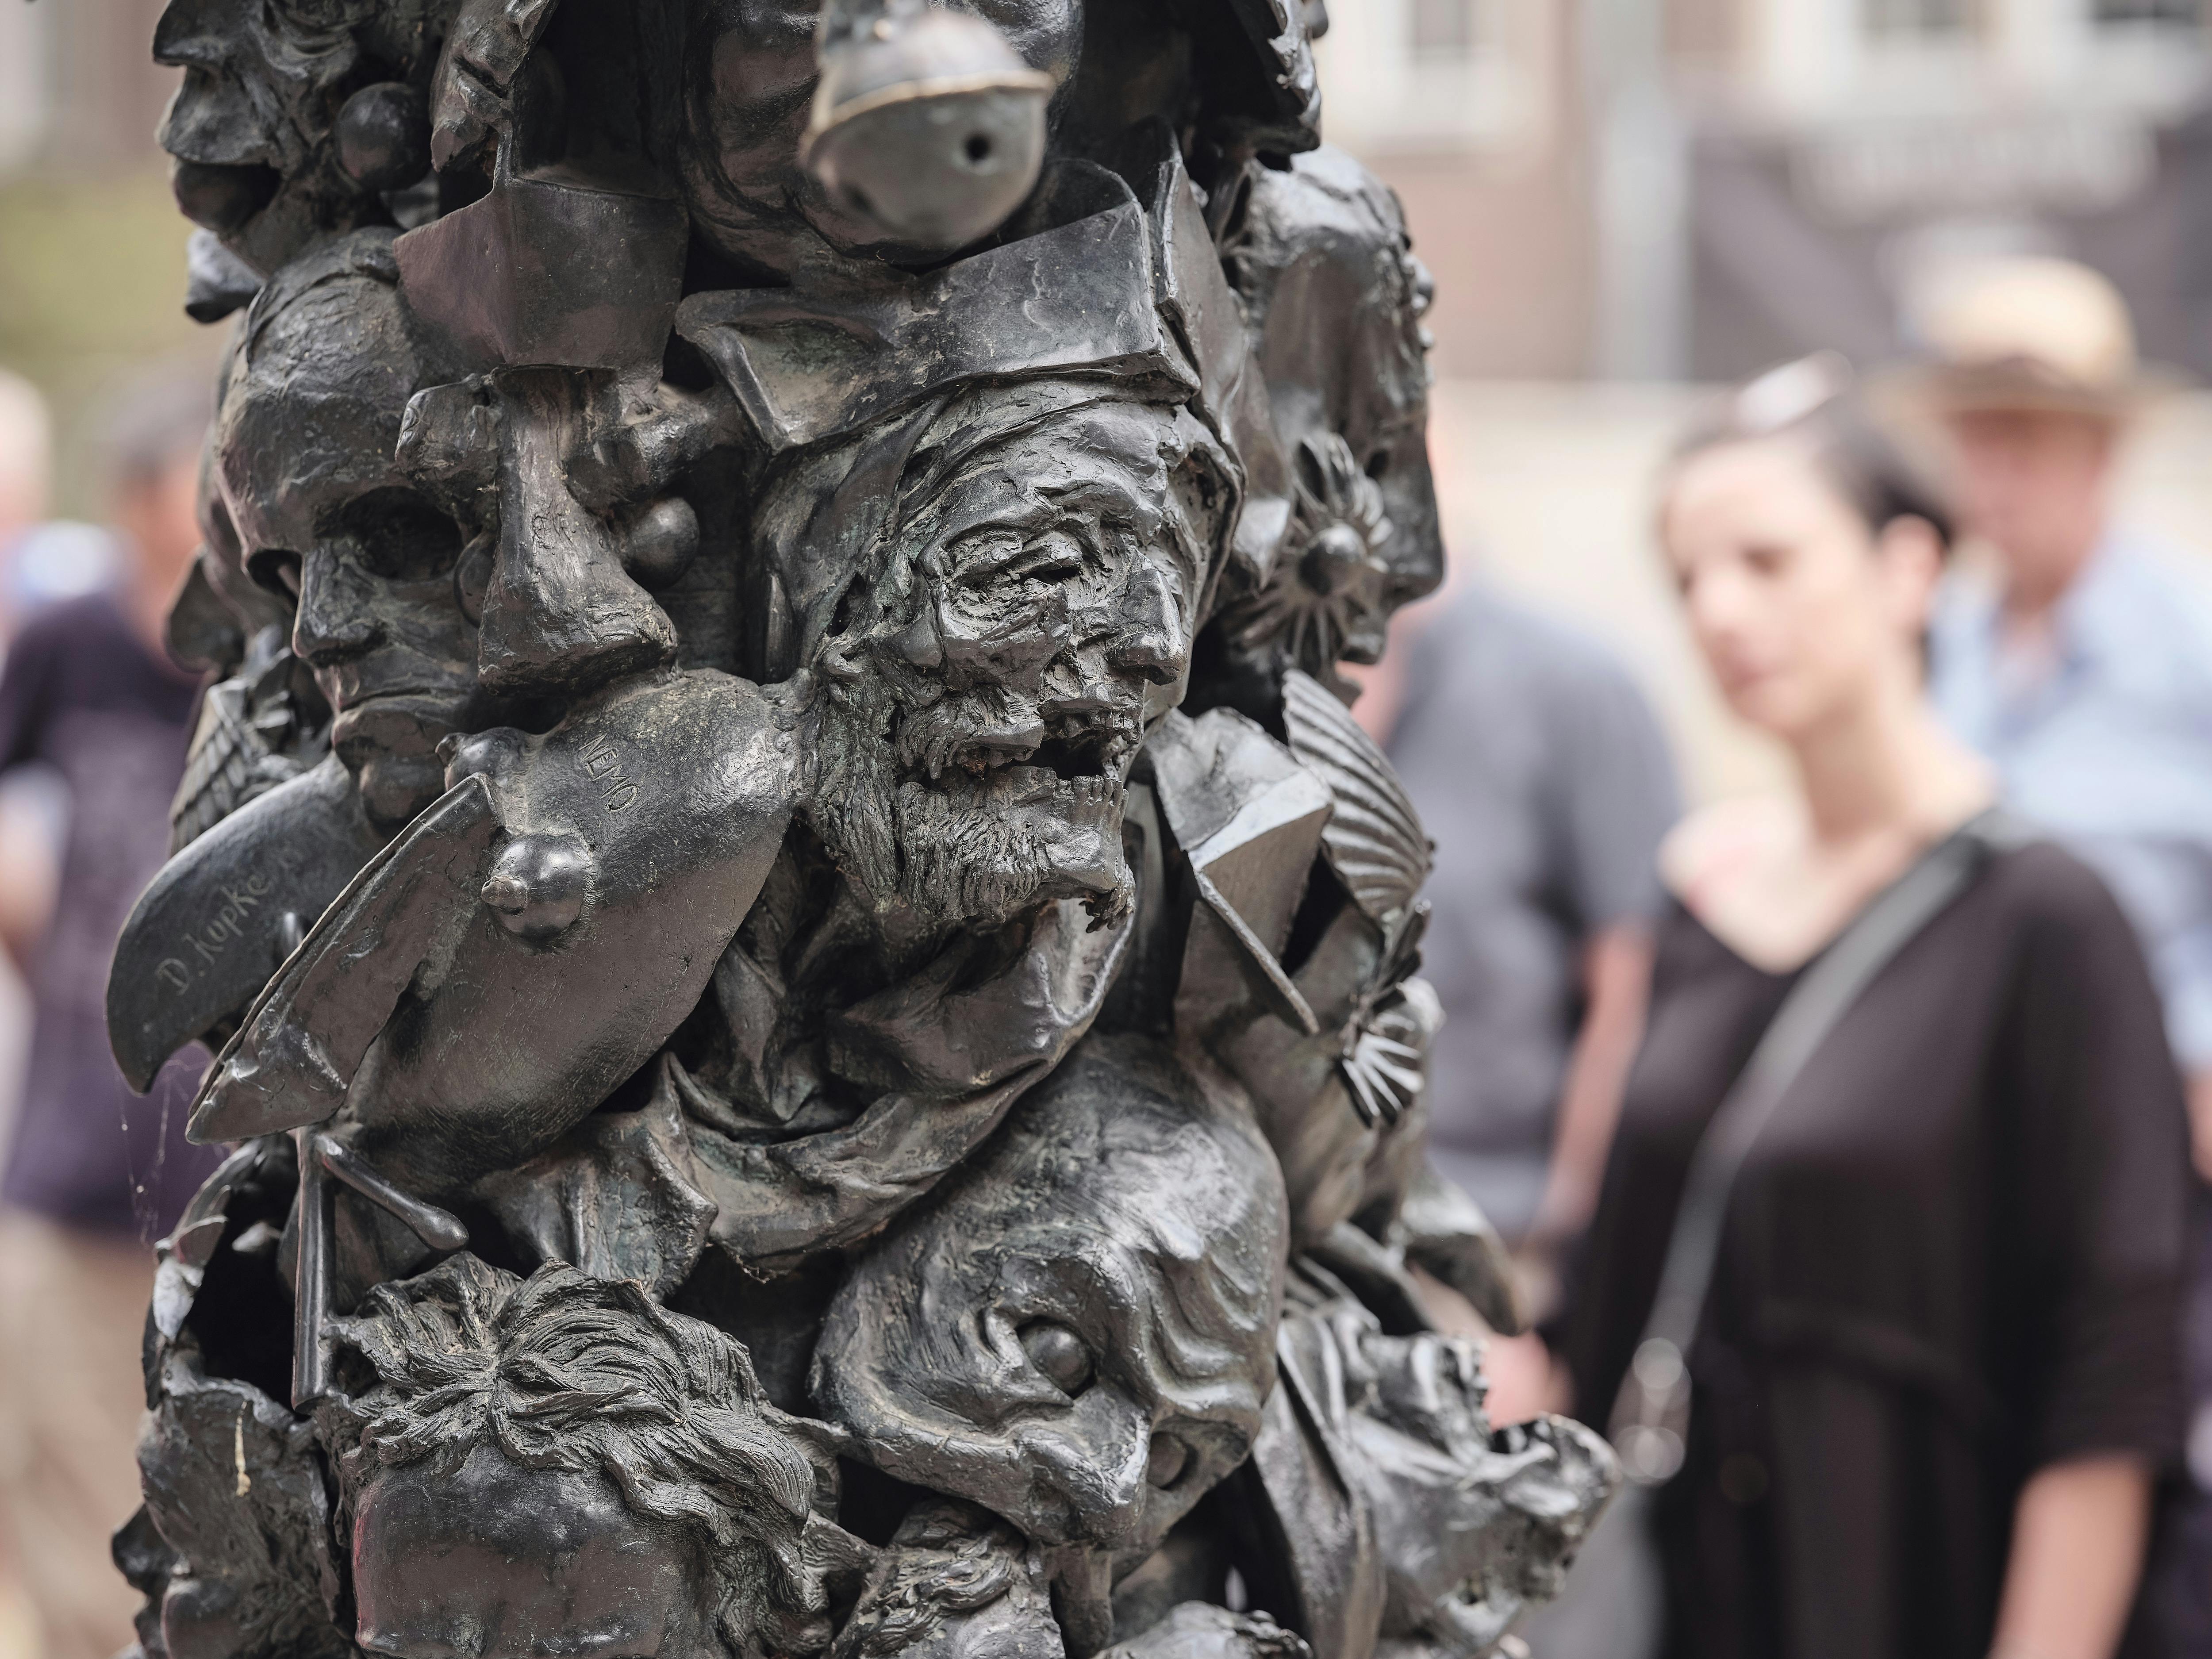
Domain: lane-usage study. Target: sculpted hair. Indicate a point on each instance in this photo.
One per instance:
(568, 1373)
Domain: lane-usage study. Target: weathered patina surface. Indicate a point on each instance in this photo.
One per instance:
(816, 996)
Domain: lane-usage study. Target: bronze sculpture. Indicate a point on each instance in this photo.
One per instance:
(815, 993)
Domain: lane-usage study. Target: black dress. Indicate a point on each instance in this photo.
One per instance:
(1952, 1257)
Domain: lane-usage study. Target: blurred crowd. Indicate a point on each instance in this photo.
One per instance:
(93, 716)
(1853, 1142)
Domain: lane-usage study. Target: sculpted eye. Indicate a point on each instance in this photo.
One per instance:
(1050, 557)
(401, 536)
(1000, 555)
(1059, 1353)
(275, 570)
(318, 16)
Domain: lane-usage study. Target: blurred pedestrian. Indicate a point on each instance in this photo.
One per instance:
(27, 820)
(1541, 772)
(93, 1173)
(41, 560)
(1934, 1368)
(26, 457)
(2082, 667)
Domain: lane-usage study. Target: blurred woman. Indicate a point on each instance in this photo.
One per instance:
(1937, 1365)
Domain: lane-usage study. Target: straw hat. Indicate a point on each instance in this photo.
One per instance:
(2031, 334)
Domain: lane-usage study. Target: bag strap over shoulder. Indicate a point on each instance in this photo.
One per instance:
(1651, 1414)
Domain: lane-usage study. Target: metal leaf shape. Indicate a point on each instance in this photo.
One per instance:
(1374, 842)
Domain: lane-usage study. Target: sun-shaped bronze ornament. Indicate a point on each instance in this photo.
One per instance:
(1328, 600)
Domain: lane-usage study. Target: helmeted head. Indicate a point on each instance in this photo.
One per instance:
(999, 593)
(324, 365)
(750, 76)
(561, 1466)
(1077, 1331)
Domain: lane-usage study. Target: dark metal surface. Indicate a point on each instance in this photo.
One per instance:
(224, 914)
(817, 993)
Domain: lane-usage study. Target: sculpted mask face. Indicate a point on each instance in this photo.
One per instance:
(992, 685)
(1077, 1333)
(560, 1466)
(255, 128)
(304, 444)
(1472, 1524)
(500, 1562)
(1321, 254)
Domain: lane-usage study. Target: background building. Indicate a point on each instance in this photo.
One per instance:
(1692, 188)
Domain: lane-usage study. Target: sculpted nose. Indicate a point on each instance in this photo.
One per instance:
(1098, 1472)
(1085, 692)
(561, 614)
(185, 37)
(336, 619)
(1018, 732)
(1149, 633)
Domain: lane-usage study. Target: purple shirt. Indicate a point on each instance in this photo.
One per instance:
(81, 693)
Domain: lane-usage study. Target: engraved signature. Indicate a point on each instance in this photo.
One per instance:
(215, 936)
(603, 766)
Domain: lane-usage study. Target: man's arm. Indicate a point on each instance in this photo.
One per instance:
(30, 877)
(1618, 791)
(1617, 988)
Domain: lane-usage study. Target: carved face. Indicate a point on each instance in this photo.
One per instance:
(496, 1561)
(1473, 1525)
(1036, 618)
(562, 1466)
(751, 75)
(304, 444)
(1077, 1333)
(253, 127)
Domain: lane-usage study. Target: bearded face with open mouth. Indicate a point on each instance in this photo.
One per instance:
(992, 686)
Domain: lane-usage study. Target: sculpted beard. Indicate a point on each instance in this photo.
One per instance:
(974, 849)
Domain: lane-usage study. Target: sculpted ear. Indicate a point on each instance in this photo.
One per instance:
(1911, 552)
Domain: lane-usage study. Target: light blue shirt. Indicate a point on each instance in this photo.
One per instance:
(2108, 744)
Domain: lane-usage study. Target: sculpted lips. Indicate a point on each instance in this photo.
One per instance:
(980, 732)
(377, 717)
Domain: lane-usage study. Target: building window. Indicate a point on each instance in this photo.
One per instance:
(1436, 76)
(1894, 19)
(2158, 14)
(1444, 28)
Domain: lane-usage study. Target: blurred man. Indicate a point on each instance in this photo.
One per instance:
(1542, 776)
(2084, 669)
(26, 819)
(93, 1173)
(26, 444)
(2082, 665)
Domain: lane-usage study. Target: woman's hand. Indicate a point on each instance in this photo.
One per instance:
(2079, 1532)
